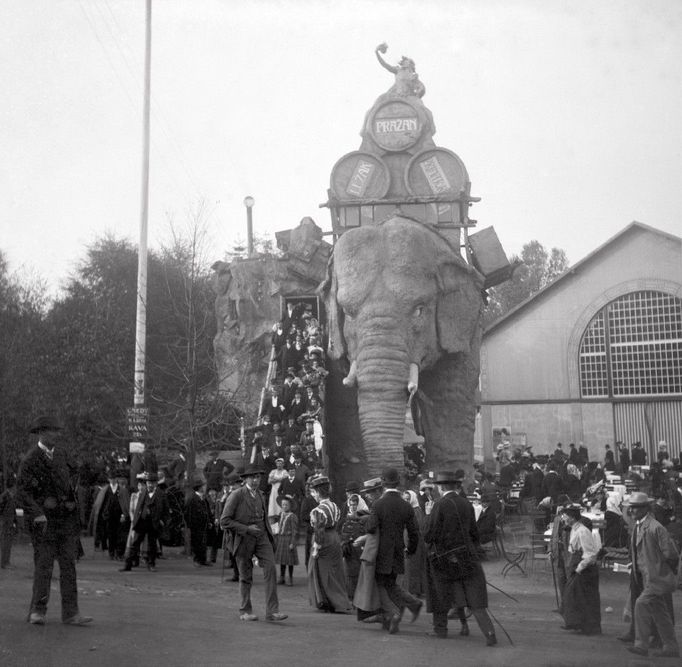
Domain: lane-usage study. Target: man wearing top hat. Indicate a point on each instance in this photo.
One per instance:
(45, 492)
(245, 519)
(451, 529)
(653, 578)
(149, 518)
(392, 516)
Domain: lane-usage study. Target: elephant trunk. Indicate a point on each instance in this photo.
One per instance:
(382, 376)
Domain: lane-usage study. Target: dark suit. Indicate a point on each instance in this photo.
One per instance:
(44, 488)
(450, 525)
(392, 516)
(552, 486)
(149, 518)
(114, 515)
(243, 512)
(199, 519)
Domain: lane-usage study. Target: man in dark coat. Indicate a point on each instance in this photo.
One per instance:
(114, 513)
(149, 519)
(451, 530)
(392, 516)
(624, 455)
(214, 470)
(638, 454)
(199, 520)
(245, 518)
(45, 492)
(552, 485)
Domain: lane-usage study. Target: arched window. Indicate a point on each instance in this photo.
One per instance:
(633, 347)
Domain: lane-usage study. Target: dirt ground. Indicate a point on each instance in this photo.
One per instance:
(181, 615)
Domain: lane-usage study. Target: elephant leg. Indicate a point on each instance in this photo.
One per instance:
(448, 417)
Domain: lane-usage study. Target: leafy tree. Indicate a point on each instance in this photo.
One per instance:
(538, 270)
(23, 348)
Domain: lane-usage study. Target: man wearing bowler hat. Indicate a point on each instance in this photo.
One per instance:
(245, 519)
(392, 516)
(451, 530)
(45, 491)
(149, 518)
(653, 578)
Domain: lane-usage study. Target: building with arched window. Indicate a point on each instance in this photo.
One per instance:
(595, 357)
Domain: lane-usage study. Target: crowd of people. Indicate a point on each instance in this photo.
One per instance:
(393, 546)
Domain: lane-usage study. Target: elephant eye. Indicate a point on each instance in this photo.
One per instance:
(419, 311)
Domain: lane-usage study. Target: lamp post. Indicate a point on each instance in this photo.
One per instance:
(249, 202)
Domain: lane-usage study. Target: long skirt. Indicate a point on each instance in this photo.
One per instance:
(581, 603)
(327, 576)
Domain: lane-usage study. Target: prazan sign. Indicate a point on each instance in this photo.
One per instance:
(395, 125)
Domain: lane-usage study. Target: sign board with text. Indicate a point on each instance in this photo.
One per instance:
(138, 421)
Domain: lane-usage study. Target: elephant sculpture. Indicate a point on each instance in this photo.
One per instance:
(404, 314)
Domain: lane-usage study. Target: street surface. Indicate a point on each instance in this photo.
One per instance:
(181, 615)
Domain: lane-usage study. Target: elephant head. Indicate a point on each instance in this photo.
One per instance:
(404, 309)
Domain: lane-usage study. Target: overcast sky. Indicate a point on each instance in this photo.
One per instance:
(567, 115)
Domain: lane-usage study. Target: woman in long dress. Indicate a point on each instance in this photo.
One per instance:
(275, 478)
(326, 573)
(581, 603)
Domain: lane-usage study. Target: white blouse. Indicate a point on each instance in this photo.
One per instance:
(582, 538)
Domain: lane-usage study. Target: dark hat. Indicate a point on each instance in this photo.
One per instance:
(390, 476)
(352, 486)
(152, 477)
(372, 484)
(197, 480)
(318, 481)
(573, 511)
(45, 423)
(252, 469)
(291, 499)
(488, 498)
(449, 477)
(232, 478)
(214, 453)
(562, 499)
(119, 472)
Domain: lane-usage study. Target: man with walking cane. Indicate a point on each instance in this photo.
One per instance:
(455, 575)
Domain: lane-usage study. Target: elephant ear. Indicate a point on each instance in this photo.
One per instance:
(327, 290)
(459, 305)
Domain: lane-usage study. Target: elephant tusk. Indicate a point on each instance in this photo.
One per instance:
(352, 378)
(413, 381)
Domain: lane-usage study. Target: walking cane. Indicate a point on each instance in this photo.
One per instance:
(222, 571)
(556, 589)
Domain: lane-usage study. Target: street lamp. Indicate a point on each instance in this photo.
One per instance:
(249, 202)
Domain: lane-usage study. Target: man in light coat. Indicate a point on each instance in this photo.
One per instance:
(245, 519)
(654, 571)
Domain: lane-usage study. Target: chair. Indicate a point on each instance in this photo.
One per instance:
(515, 557)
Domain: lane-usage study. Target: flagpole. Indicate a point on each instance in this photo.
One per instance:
(138, 415)
(141, 319)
